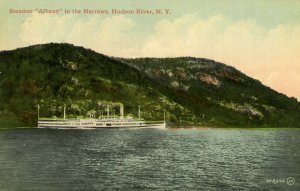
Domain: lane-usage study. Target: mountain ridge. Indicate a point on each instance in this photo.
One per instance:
(192, 91)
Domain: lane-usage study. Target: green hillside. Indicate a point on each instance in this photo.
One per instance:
(191, 91)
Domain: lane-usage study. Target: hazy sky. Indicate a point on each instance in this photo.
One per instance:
(259, 37)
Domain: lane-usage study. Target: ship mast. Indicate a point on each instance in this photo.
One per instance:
(38, 111)
(65, 111)
(139, 112)
(107, 109)
(38, 115)
(121, 111)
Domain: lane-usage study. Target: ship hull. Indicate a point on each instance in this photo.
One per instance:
(94, 124)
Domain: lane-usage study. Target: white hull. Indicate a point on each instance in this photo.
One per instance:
(98, 123)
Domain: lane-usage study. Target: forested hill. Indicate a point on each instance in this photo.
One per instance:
(192, 91)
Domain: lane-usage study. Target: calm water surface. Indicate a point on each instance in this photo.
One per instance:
(149, 159)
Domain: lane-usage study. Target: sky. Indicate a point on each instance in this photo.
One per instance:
(260, 37)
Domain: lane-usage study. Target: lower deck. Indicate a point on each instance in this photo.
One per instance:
(93, 123)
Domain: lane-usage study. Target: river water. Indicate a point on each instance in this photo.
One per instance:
(149, 159)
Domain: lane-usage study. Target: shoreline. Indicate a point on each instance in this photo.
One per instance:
(184, 127)
(232, 128)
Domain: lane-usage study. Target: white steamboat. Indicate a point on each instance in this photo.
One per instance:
(100, 122)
